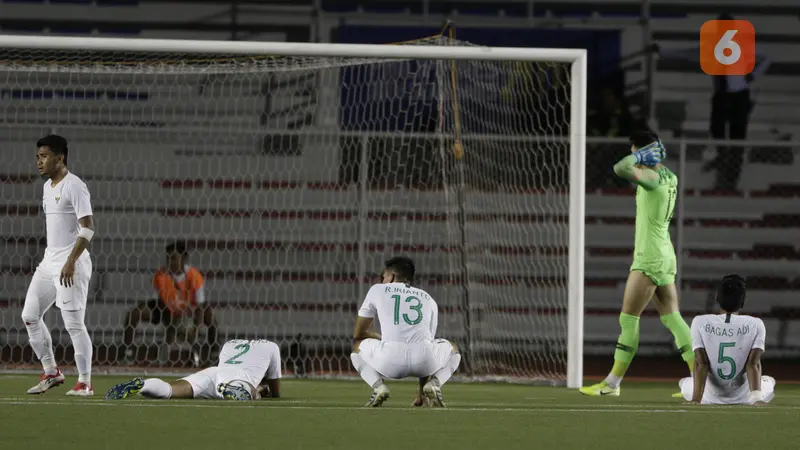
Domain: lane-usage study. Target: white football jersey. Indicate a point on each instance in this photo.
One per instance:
(257, 358)
(63, 205)
(727, 340)
(405, 313)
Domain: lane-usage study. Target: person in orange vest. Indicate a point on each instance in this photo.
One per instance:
(181, 293)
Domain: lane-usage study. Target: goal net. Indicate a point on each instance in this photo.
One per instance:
(290, 179)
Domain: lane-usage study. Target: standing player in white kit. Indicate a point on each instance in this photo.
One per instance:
(732, 374)
(408, 317)
(64, 273)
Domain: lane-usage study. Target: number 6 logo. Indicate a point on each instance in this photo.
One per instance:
(727, 43)
(727, 47)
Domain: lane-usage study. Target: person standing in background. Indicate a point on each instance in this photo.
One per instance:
(731, 105)
(609, 117)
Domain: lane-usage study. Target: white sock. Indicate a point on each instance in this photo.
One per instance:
(613, 381)
(368, 374)
(81, 342)
(447, 371)
(42, 344)
(155, 388)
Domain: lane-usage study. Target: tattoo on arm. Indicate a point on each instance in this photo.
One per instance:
(700, 374)
(81, 244)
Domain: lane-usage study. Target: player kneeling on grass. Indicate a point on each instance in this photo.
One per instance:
(735, 342)
(246, 370)
(408, 317)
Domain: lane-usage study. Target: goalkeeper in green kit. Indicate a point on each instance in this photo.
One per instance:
(652, 274)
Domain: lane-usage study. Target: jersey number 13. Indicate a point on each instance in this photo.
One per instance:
(414, 314)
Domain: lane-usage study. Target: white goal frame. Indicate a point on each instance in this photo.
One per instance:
(577, 137)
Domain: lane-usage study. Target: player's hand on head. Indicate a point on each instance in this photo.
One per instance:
(651, 154)
(67, 274)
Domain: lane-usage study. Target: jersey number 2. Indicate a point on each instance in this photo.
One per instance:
(726, 359)
(406, 318)
(235, 359)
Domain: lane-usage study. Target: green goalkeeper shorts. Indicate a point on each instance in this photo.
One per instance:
(662, 273)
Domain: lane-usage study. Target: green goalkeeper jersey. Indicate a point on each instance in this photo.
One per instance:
(654, 209)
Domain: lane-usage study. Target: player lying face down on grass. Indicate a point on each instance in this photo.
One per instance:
(408, 317)
(728, 348)
(652, 274)
(246, 370)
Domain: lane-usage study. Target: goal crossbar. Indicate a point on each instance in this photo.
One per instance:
(294, 49)
(577, 135)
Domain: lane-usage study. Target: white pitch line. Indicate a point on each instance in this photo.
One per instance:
(165, 404)
(33, 399)
(519, 405)
(322, 404)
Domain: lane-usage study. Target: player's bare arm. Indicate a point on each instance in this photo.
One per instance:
(362, 331)
(85, 235)
(700, 375)
(420, 399)
(753, 368)
(269, 389)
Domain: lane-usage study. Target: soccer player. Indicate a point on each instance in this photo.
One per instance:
(64, 273)
(246, 370)
(652, 274)
(408, 318)
(733, 375)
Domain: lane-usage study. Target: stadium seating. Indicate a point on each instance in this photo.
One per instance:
(291, 262)
(679, 87)
(277, 237)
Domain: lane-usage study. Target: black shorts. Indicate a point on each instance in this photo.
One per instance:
(159, 313)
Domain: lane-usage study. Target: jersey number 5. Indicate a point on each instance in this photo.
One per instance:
(417, 307)
(726, 359)
(235, 359)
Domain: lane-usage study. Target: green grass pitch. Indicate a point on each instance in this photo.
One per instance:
(329, 415)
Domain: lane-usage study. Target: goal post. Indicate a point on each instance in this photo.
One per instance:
(455, 223)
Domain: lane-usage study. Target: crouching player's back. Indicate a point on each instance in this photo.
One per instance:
(732, 375)
(408, 317)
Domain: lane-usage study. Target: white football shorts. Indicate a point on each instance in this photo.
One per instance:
(46, 287)
(400, 360)
(204, 383)
(741, 397)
